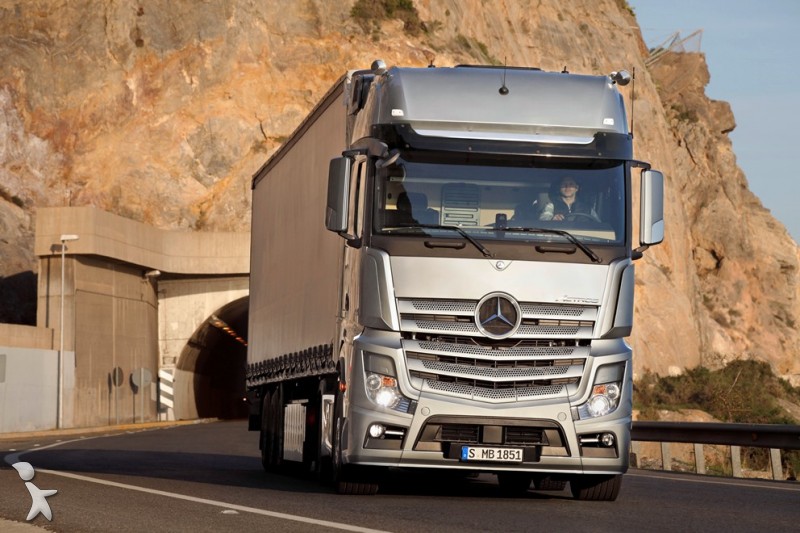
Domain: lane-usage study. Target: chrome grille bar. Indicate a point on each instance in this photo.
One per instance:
(496, 374)
(520, 352)
(447, 353)
(456, 317)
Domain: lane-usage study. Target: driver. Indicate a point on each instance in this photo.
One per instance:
(567, 202)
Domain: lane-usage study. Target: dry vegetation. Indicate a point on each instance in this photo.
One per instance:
(743, 391)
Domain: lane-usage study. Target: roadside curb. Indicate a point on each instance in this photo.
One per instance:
(102, 429)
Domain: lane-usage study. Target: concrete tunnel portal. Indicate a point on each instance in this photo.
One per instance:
(131, 296)
(210, 372)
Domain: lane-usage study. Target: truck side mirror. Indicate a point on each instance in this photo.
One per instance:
(651, 230)
(338, 194)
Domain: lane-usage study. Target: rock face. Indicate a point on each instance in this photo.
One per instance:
(161, 111)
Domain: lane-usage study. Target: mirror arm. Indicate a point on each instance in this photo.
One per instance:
(638, 253)
(353, 242)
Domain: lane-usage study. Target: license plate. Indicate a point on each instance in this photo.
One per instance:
(482, 453)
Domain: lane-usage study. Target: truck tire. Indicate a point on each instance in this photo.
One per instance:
(514, 484)
(348, 479)
(271, 452)
(596, 488)
(265, 434)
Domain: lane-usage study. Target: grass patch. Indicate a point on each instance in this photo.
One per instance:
(369, 14)
(683, 114)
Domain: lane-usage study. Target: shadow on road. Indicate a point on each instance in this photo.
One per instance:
(225, 453)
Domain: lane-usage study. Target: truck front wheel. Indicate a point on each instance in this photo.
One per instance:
(348, 479)
(596, 488)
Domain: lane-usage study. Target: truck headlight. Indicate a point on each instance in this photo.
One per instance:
(603, 401)
(604, 398)
(383, 390)
(380, 380)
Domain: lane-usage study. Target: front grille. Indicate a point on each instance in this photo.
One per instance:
(472, 434)
(458, 317)
(472, 346)
(459, 433)
(443, 306)
(477, 390)
(494, 372)
(523, 436)
(447, 354)
(447, 434)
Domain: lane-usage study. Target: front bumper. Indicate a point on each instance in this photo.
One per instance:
(437, 426)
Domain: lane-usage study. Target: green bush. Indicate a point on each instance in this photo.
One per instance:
(743, 391)
(370, 13)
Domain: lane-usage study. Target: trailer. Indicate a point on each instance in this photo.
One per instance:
(442, 277)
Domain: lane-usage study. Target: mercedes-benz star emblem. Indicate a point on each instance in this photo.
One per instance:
(498, 316)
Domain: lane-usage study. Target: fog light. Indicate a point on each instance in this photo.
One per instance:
(376, 431)
(607, 440)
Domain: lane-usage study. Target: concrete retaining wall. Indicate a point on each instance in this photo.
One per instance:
(29, 388)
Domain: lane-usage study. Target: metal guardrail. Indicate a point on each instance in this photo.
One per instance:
(737, 436)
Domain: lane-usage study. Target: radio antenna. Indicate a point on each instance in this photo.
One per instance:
(504, 90)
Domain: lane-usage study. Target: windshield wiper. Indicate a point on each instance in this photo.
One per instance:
(567, 235)
(458, 230)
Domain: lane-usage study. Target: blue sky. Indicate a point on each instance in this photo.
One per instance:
(753, 54)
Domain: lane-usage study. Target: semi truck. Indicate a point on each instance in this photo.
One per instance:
(442, 279)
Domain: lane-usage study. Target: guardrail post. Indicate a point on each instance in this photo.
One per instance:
(666, 456)
(777, 466)
(773, 437)
(736, 461)
(699, 459)
(634, 454)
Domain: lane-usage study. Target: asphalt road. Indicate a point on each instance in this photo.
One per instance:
(208, 477)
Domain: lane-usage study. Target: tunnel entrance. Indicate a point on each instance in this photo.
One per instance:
(210, 374)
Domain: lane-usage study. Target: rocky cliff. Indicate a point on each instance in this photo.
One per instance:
(161, 111)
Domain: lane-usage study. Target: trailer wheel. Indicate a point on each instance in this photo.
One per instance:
(272, 430)
(596, 488)
(348, 479)
(265, 434)
(514, 483)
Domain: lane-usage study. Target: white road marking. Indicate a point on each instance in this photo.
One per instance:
(225, 505)
(14, 457)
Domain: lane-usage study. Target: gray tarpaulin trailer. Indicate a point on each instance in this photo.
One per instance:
(442, 278)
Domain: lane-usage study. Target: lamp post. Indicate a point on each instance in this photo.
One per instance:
(60, 397)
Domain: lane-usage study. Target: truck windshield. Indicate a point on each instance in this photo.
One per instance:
(502, 198)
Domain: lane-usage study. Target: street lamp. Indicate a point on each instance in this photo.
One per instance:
(60, 422)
